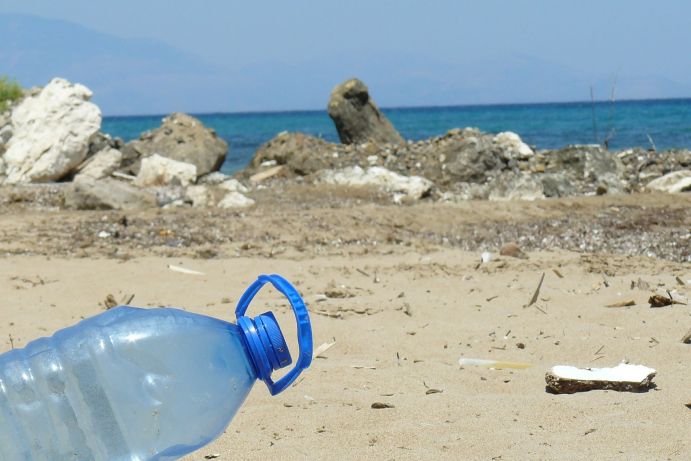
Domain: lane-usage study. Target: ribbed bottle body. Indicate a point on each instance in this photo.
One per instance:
(129, 384)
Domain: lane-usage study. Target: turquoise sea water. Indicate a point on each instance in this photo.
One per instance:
(554, 125)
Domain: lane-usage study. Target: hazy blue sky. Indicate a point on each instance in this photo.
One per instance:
(258, 55)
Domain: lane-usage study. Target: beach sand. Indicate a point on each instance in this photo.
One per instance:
(401, 312)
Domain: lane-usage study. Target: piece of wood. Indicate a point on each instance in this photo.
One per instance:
(624, 377)
(687, 338)
(381, 405)
(266, 174)
(533, 300)
(321, 349)
(184, 270)
(625, 303)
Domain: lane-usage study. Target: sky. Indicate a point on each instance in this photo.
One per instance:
(280, 55)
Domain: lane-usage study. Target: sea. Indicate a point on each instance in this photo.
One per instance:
(662, 124)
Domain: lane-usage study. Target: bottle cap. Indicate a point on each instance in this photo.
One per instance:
(264, 339)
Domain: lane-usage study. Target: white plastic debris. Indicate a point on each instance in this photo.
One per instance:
(564, 379)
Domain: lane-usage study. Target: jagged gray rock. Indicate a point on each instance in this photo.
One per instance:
(183, 138)
(357, 117)
(107, 194)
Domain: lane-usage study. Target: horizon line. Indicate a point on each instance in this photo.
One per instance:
(413, 107)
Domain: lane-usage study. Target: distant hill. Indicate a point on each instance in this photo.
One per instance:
(148, 77)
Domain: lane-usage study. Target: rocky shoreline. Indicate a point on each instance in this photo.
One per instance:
(52, 136)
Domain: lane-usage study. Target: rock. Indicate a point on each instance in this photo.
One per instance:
(402, 187)
(5, 134)
(160, 171)
(52, 130)
(199, 195)
(300, 153)
(233, 185)
(512, 146)
(513, 186)
(214, 178)
(357, 117)
(601, 165)
(2, 167)
(235, 200)
(103, 164)
(87, 193)
(557, 185)
(512, 250)
(169, 196)
(99, 142)
(469, 156)
(678, 181)
(183, 138)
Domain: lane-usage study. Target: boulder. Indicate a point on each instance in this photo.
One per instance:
(402, 187)
(102, 164)
(512, 146)
(235, 200)
(515, 186)
(357, 117)
(302, 154)
(51, 133)
(678, 181)
(557, 185)
(161, 171)
(87, 193)
(183, 138)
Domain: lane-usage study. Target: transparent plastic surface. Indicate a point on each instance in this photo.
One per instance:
(129, 384)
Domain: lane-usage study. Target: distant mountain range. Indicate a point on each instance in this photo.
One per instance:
(148, 77)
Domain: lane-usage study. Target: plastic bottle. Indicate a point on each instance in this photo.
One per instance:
(141, 384)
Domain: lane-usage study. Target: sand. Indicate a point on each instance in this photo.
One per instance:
(401, 314)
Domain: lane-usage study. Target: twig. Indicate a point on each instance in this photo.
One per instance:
(537, 292)
(592, 107)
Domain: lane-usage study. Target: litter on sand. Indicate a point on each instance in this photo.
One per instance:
(687, 338)
(184, 270)
(626, 303)
(321, 349)
(564, 379)
(496, 364)
(533, 300)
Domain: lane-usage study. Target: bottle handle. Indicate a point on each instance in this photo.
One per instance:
(304, 328)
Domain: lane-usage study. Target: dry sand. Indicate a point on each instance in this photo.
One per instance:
(402, 314)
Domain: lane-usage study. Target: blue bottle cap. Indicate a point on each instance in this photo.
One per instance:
(272, 339)
(264, 339)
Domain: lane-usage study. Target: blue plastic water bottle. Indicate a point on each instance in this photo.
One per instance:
(141, 384)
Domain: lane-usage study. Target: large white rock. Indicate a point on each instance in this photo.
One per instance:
(402, 187)
(51, 132)
(157, 170)
(235, 200)
(513, 146)
(102, 164)
(677, 181)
